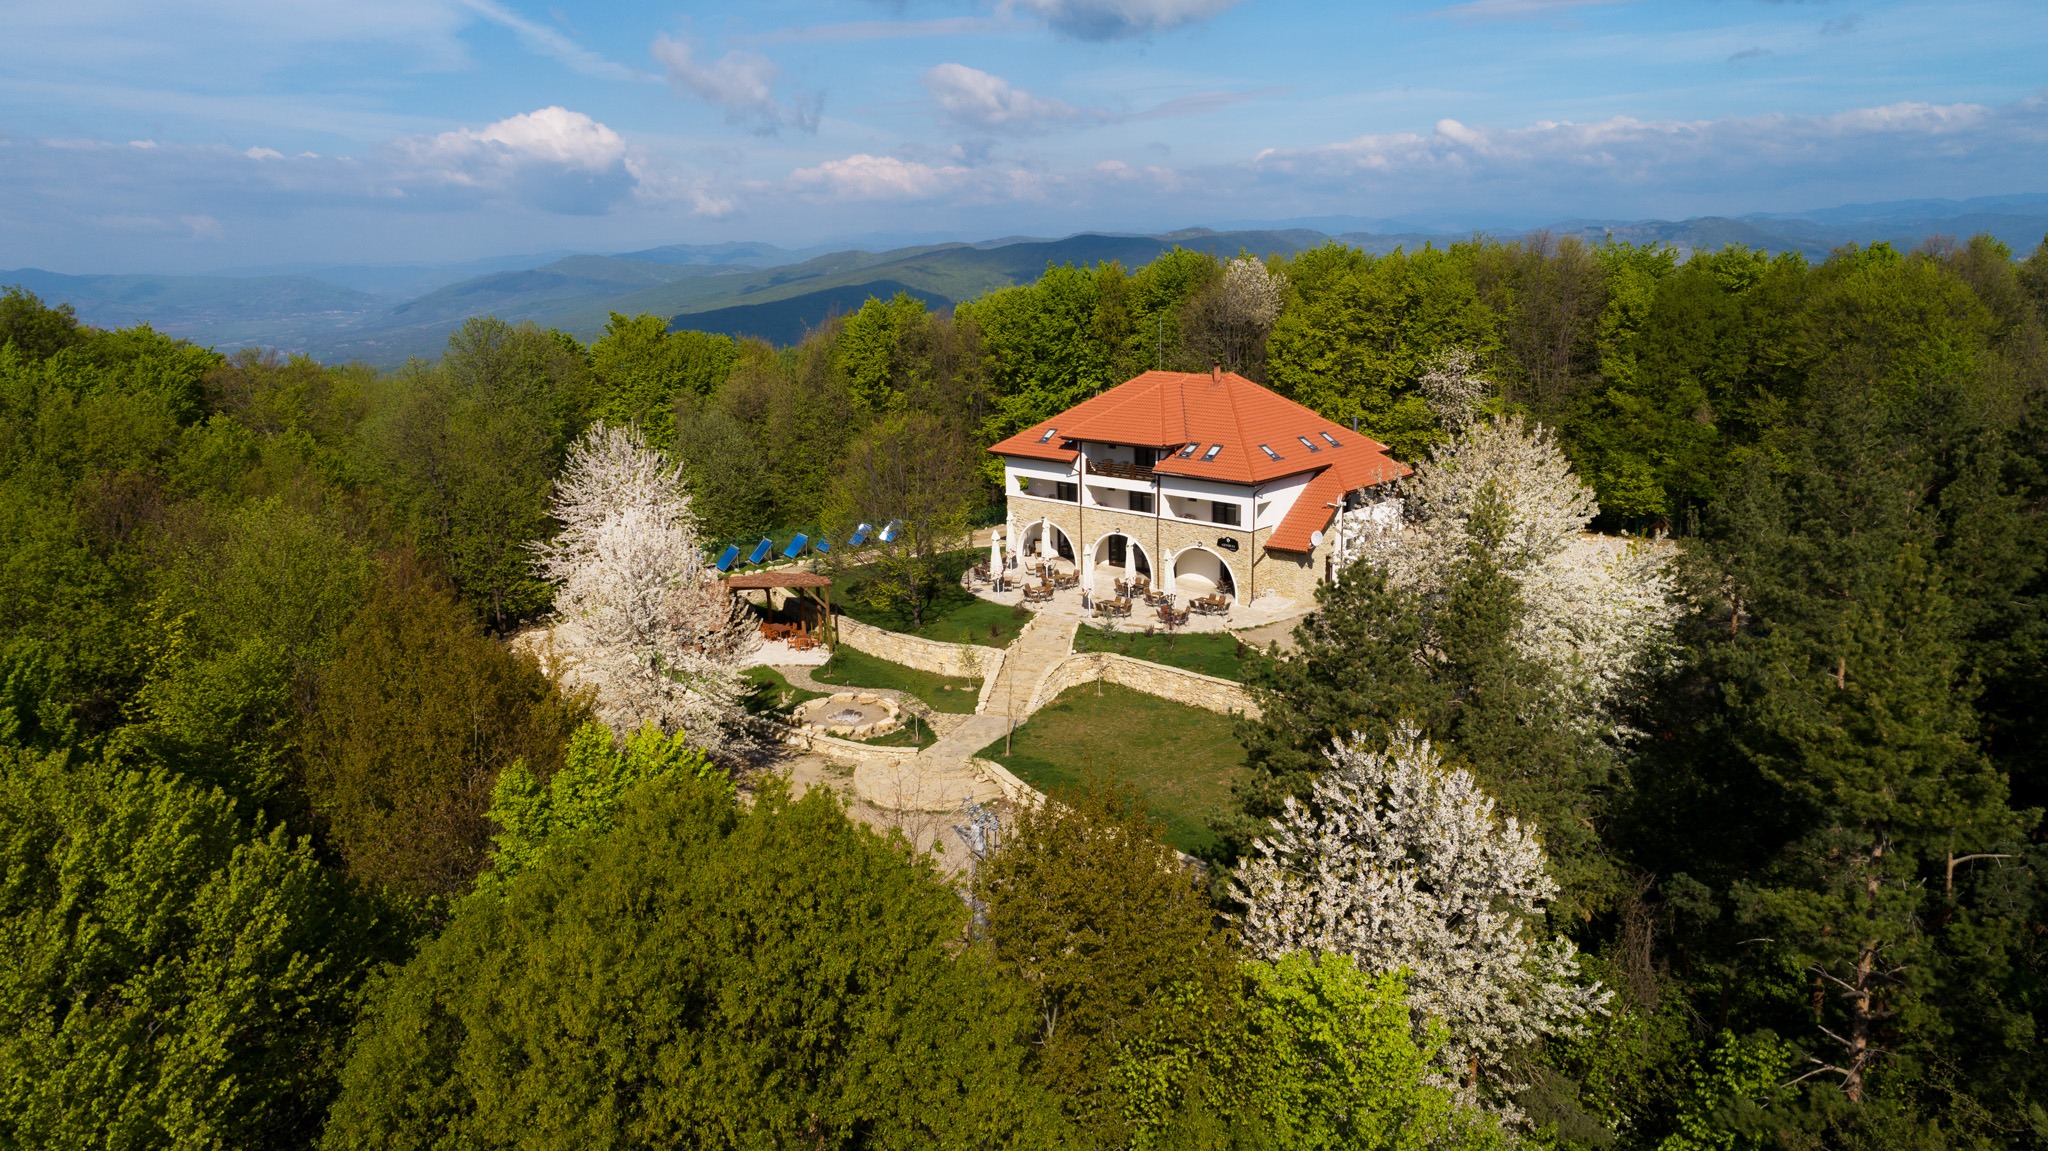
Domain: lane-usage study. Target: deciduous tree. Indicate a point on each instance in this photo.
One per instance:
(1402, 864)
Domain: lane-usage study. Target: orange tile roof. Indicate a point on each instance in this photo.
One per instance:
(1312, 511)
(1169, 409)
(1172, 409)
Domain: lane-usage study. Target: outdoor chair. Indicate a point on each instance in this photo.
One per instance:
(1158, 598)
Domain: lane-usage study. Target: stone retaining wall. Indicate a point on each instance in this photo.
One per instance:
(963, 660)
(828, 745)
(1015, 790)
(1177, 684)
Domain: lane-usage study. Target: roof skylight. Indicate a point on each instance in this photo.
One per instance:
(1306, 444)
(1189, 451)
(1270, 453)
(1049, 434)
(1211, 453)
(1332, 439)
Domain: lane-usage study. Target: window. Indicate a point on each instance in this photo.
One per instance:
(1049, 434)
(1222, 513)
(1144, 457)
(1306, 444)
(1332, 440)
(1211, 453)
(1188, 453)
(1140, 501)
(1071, 493)
(1270, 453)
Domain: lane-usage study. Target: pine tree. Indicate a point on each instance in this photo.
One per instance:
(1865, 724)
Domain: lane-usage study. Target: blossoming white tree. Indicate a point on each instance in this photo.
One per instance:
(1402, 863)
(1597, 611)
(639, 618)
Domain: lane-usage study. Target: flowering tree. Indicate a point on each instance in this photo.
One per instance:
(1229, 323)
(640, 619)
(1597, 611)
(1402, 864)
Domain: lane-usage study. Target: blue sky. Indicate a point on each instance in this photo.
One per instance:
(144, 136)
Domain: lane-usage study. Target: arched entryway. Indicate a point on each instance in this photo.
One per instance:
(1117, 556)
(1042, 538)
(1199, 572)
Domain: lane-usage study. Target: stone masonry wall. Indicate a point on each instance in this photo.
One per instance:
(1177, 684)
(1289, 574)
(965, 660)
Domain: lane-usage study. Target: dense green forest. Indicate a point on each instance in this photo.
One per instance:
(296, 851)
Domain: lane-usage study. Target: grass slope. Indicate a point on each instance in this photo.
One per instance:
(850, 668)
(1210, 653)
(1181, 760)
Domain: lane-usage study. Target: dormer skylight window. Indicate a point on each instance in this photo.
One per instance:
(1270, 453)
(1306, 444)
(1188, 453)
(1210, 455)
(1332, 439)
(1049, 434)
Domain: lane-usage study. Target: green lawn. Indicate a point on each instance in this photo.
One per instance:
(1180, 759)
(774, 694)
(850, 668)
(913, 733)
(1211, 653)
(955, 615)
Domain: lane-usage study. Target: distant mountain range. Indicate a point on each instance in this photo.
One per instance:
(385, 314)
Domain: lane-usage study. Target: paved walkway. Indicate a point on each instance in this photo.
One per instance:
(942, 777)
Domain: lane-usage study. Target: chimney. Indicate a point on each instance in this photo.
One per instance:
(1215, 372)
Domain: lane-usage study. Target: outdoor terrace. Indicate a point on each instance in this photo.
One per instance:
(1117, 470)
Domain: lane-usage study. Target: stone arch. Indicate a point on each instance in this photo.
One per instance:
(1051, 533)
(1198, 571)
(1137, 557)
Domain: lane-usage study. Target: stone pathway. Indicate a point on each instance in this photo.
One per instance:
(942, 778)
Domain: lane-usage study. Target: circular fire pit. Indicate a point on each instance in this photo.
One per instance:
(850, 715)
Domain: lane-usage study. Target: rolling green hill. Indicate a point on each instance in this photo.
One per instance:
(776, 293)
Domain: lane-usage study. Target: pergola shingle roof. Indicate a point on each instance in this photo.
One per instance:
(794, 578)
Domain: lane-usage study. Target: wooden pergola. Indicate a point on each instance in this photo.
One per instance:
(808, 586)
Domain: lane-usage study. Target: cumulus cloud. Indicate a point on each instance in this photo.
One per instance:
(1117, 19)
(977, 99)
(554, 159)
(865, 177)
(740, 82)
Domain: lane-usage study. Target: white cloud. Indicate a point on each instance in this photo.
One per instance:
(865, 177)
(548, 42)
(1474, 11)
(1583, 168)
(554, 159)
(977, 99)
(1117, 19)
(260, 153)
(740, 82)
(551, 135)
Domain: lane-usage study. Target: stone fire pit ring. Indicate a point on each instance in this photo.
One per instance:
(850, 715)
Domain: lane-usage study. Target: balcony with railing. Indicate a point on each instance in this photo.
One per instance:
(1121, 471)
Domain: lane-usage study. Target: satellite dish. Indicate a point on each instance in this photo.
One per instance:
(1315, 539)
